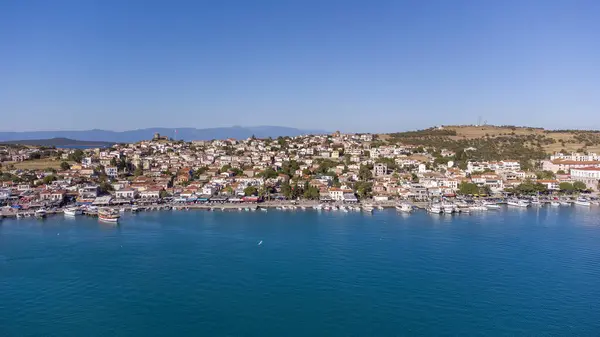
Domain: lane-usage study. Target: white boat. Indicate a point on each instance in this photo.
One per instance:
(367, 208)
(564, 203)
(448, 208)
(134, 209)
(380, 208)
(72, 211)
(108, 215)
(404, 207)
(554, 203)
(40, 213)
(582, 202)
(434, 208)
(536, 202)
(517, 203)
(490, 205)
(478, 208)
(264, 209)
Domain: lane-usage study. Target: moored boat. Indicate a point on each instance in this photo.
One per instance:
(108, 214)
(404, 207)
(582, 202)
(434, 208)
(40, 213)
(518, 203)
(72, 211)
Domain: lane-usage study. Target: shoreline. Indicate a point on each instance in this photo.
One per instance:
(283, 206)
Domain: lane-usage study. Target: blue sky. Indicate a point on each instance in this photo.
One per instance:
(362, 66)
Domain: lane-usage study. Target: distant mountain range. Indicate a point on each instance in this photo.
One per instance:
(186, 134)
(59, 142)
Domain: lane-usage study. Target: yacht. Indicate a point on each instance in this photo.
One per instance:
(554, 203)
(368, 208)
(565, 203)
(478, 208)
(434, 208)
(448, 208)
(518, 202)
(72, 211)
(404, 207)
(536, 202)
(582, 202)
(40, 213)
(491, 205)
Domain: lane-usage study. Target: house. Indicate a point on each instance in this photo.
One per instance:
(379, 170)
(150, 194)
(551, 185)
(54, 196)
(338, 193)
(126, 193)
(111, 171)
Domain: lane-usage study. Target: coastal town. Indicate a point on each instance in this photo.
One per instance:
(351, 171)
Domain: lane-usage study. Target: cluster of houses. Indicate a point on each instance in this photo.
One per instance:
(236, 171)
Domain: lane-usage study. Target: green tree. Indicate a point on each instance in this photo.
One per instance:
(268, 173)
(365, 173)
(466, 188)
(105, 187)
(76, 156)
(560, 172)
(286, 190)
(566, 187)
(250, 191)
(49, 179)
(363, 189)
(579, 186)
(138, 171)
(200, 172)
(545, 175)
(65, 166)
(163, 194)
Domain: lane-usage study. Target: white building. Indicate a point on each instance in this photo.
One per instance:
(111, 171)
(574, 156)
(125, 193)
(588, 175)
(379, 170)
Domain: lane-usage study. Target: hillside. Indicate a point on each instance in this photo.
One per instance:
(58, 142)
(187, 134)
(550, 141)
(492, 143)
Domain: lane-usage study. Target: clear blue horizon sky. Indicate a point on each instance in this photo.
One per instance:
(355, 66)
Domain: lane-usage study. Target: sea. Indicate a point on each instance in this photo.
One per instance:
(512, 272)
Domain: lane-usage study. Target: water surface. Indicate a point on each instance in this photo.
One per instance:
(512, 272)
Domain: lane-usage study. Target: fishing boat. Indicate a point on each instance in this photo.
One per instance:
(40, 213)
(108, 214)
(582, 202)
(72, 211)
(518, 203)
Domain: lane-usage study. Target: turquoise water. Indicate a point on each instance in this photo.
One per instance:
(512, 272)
